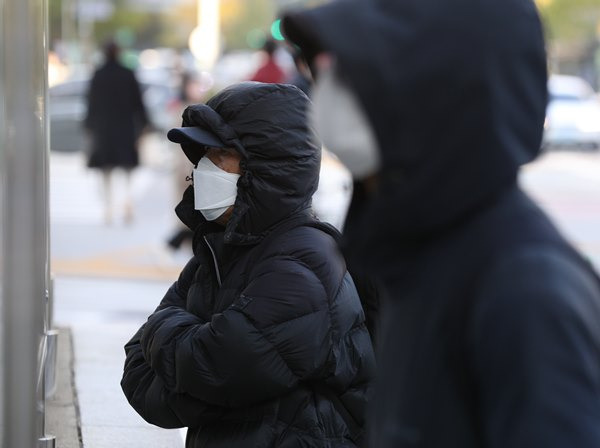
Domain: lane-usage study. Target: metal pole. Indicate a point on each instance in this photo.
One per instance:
(2, 227)
(25, 239)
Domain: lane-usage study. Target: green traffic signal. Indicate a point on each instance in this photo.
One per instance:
(276, 30)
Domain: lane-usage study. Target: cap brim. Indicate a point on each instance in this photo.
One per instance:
(196, 135)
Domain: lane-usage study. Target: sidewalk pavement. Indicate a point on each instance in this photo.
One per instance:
(62, 409)
(95, 413)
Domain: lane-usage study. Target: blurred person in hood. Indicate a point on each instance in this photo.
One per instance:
(301, 76)
(490, 336)
(115, 119)
(262, 339)
(362, 182)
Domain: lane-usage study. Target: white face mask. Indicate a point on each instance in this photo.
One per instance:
(214, 189)
(343, 126)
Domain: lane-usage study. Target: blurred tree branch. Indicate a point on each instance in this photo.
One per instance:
(570, 21)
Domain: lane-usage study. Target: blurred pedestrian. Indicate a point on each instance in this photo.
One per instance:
(189, 92)
(353, 139)
(490, 337)
(269, 71)
(116, 118)
(301, 77)
(262, 340)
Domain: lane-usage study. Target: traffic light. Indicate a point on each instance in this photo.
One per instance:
(276, 30)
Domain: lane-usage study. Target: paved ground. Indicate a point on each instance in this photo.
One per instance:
(102, 315)
(109, 278)
(62, 409)
(81, 242)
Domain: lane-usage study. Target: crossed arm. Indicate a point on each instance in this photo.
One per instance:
(182, 371)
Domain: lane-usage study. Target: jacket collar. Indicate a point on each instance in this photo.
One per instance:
(194, 220)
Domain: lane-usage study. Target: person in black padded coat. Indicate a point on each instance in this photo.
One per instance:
(262, 341)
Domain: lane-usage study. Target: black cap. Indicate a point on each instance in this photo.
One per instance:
(194, 134)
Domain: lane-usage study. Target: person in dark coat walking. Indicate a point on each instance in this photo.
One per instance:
(262, 340)
(490, 337)
(115, 119)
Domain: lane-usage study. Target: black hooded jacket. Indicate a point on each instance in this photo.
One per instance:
(262, 340)
(491, 336)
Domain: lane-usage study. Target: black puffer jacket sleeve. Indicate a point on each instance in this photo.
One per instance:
(148, 395)
(276, 334)
(146, 391)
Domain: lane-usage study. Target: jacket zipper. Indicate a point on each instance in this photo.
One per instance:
(214, 260)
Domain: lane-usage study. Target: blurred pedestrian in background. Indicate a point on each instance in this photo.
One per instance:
(116, 118)
(269, 71)
(491, 336)
(301, 77)
(262, 340)
(190, 91)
